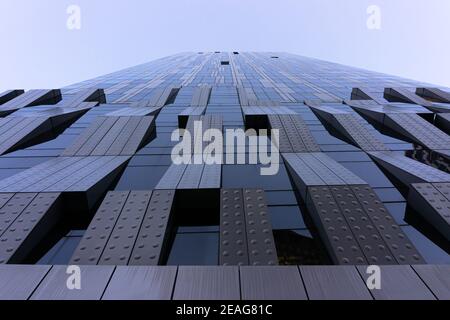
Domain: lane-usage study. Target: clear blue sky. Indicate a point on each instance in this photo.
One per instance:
(38, 50)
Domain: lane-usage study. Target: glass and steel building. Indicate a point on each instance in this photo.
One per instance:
(87, 180)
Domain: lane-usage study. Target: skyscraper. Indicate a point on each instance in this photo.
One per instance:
(339, 168)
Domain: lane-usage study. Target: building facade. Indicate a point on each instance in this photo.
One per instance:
(362, 177)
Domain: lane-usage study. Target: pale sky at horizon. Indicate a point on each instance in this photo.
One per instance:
(39, 51)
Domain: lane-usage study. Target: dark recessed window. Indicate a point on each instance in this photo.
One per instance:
(274, 57)
(225, 63)
(235, 52)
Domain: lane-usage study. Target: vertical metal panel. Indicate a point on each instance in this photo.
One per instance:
(30, 227)
(432, 205)
(17, 282)
(116, 131)
(261, 245)
(150, 247)
(233, 235)
(121, 242)
(398, 283)
(207, 283)
(399, 244)
(172, 177)
(94, 280)
(334, 230)
(436, 278)
(94, 240)
(137, 138)
(272, 283)
(141, 283)
(84, 136)
(334, 283)
(365, 233)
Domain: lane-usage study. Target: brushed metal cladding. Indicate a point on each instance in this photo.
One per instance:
(353, 128)
(191, 177)
(141, 283)
(172, 177)
(18, 282)
(207, 283)
(334, 283)
(233, 236)
(29, 227)
(366, 234)
(405, 95)
(94, 280)
(399, 244)
(436, 278)
(9, 95)
(123, 237)
(97, 234)
(114, 136)
(418, 130)
(333, 229)
(398, 283)
(272, 283)
(30, 98)
(152, 240)
(408, 170)
(434, 94)
(260, 241)
(442, 121)
(432, 205)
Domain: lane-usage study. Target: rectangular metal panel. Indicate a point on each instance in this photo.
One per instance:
(207, 283)
(334, 283)
(398, 283)
(260, 241)
(141, 283)
(18, 282)
(116, 147)
(233, 235)
(89, 146)
(191, 177)
(139, 136)
(30, 227)
(408, 170)
(333, 229)
(9, 95)
(151, 243)
(436, 278)
(117, 130)
(272, 283)
(364, 231)
(432, 205)
(121, 241)
(399, 244)
(97, 234)
(171, 178)
(84, 137)
(94, 280)
(211, 177)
